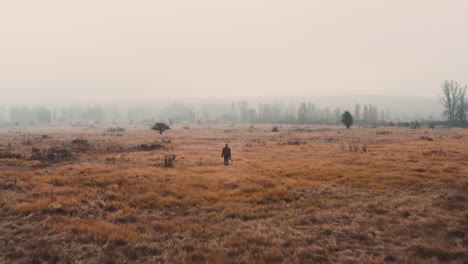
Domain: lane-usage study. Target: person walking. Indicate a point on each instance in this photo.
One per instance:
(226, 154)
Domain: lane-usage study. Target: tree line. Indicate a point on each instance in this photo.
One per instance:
(452, 98)
(235, 112)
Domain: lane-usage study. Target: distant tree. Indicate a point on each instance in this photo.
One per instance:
(382, 116)
(302, 113)
(453, 100)
(115, 113)
(337, 116)
(373, 115)
(161, 127)
(347, 119)
(21, 115)
(2, 113)
(462, 109)
(180, 113)
(95, 113)
(234, 111)
(243, 107)
(311, 111)
(357, 112)
(326, 114)
(365, 115)
(252, 114)
(42, 115)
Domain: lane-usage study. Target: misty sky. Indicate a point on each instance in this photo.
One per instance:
(132, 50)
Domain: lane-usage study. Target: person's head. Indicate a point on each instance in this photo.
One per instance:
(226, 145)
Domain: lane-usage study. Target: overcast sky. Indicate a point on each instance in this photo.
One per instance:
(129, 50)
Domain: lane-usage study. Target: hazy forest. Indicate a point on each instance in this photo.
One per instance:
(208, 113)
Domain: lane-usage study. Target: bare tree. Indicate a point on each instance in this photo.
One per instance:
(365, 115)
(462, 108)
(302, 113)
(357, 112)
(453, 100)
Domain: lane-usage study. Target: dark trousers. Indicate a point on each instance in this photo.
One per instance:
(226, 161)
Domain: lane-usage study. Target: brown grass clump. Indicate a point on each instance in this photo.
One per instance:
(441, 254)
(299, 195)
(103, 232)
(247, 214)
(34, 207)
(272, 196)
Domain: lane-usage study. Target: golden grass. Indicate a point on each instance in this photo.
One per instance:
(403, 200)
(103, 232)
(32, 207)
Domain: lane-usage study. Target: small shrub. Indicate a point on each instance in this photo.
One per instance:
(275, 129)
(426, 138)
(115, 129)
(169, 160)
(439, 152)
(354, 147)
(296, 142)
(146, 147)
(330, 140)
(364, 148)
(80, 143)
(383, 133)
(414, 125)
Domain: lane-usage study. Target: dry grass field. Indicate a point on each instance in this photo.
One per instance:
(305, 194)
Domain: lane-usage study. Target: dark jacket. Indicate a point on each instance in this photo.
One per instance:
(226, 152)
